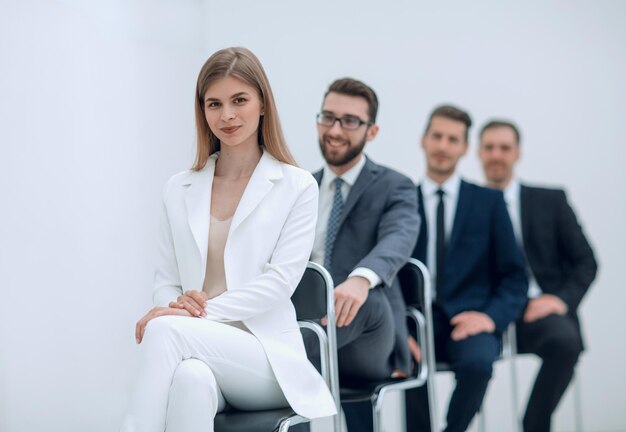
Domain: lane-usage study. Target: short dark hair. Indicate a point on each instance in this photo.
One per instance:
(502, 123)
(352, 87)
(453, 113)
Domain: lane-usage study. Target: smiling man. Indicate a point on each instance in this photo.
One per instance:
(561, 267)
(479, 286)
(366, 231)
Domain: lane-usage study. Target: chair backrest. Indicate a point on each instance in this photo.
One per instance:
(412, 283)
(313, 299)
(415, 285)
(415, 282)
(310, 298)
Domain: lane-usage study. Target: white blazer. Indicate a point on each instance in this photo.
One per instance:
(268, 247)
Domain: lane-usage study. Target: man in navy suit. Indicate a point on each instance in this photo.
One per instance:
(560, 263)
(468, 244)
(366, 230)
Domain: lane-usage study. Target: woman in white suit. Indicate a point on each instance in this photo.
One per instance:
(236, 234)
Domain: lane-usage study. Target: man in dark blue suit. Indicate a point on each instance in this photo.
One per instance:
(468, 244)
(561, 267)
(366, 230)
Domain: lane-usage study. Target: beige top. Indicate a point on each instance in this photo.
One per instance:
(215, 276)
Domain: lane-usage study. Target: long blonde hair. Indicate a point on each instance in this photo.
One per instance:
(240, 63)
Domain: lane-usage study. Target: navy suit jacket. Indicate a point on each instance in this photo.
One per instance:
(378, 231)
(556, 248)
(484, 268)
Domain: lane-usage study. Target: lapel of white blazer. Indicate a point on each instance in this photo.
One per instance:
(198, 197)
(266, 172)
(198, 203)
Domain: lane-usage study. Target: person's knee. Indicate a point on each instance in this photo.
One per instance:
(192, 373)
(477, 367)
(160, 328)
(562, 345)
(194, 396)
(377, 307)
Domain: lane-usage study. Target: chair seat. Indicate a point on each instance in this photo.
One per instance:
(444, 367)
(251, 421)
(357, 392)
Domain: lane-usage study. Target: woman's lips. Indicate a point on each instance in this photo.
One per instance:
(231, 129)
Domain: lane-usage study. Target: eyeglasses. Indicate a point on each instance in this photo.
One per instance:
(346, 122)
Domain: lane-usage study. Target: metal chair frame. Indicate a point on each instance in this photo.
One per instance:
(328, 352)
(377, 396)
(507, 352)
(578, 416)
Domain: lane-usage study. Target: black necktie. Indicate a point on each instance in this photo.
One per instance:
(441, 242)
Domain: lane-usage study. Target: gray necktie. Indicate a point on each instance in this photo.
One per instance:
(333, 222)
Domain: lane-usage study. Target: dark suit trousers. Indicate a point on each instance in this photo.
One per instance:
(366, 345)
(556, 339)
(471, 361)
(365, 348)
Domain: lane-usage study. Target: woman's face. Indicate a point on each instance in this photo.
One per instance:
(232, 109)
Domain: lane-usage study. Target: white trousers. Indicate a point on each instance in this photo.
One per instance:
(189, 368)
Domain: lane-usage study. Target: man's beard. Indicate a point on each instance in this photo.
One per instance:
(352, 152)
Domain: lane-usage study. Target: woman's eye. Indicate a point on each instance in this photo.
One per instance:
(212, 104)
(239, 100)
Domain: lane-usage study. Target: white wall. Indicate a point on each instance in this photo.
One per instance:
(96, 113)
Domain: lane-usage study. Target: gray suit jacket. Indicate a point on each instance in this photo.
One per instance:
(378, 230)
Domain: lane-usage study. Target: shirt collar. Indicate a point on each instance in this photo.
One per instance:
(349, 176)
(512, 192)
(450, 187)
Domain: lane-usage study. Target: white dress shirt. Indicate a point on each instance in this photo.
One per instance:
(327, 190)
(451, 189)
(512, 195)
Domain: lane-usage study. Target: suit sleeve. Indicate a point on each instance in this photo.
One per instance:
(167, 285)
(510, 294)
(397, 232)
(581, 264)
(282, 273)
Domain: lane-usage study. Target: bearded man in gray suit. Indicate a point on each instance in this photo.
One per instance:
(367, 228)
